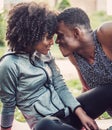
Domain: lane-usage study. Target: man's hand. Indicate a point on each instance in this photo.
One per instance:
(88, 122)
(5, 129)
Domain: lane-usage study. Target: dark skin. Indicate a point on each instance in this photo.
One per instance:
(105, 38)
(79, 39)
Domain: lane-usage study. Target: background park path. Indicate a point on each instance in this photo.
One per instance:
(67, 69)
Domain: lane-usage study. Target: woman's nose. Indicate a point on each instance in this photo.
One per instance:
(51, 41)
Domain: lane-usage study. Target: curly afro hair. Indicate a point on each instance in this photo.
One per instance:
(27, 25)
(74, 17)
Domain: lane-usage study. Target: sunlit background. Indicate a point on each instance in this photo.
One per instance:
(88, 5)
(99, 11)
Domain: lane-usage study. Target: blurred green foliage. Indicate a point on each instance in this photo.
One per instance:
(63, 5)
(97, 18)
(19, 116)
(2, 50)
(2, 28)
(74, 84)
(56, 52)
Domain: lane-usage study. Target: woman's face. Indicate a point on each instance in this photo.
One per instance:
(44, 46)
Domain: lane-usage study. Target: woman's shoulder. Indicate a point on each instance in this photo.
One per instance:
(8, 61)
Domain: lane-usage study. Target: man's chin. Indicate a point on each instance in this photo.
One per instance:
(63, 52)
(65, 55)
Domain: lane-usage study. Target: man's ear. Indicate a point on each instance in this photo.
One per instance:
(77, 32)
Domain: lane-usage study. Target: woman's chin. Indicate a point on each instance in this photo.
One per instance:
(45, 53)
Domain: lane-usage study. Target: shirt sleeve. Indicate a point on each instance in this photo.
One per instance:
(65, 95)
(8, 83)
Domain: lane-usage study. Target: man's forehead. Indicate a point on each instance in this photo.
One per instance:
(59, 30)
(61, 24)
(62, 27)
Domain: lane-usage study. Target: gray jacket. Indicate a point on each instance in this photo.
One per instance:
(37, 91)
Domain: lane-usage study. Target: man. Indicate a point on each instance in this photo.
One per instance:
(91, 53)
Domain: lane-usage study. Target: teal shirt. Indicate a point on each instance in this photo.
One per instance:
(29, 88)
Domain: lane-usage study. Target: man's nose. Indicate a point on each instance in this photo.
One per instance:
(57, 40)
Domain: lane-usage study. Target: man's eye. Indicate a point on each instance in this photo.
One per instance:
(60, 36)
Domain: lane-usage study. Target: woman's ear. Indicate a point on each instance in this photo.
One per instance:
(77, 32)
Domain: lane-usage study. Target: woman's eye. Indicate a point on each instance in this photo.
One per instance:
(49, 37)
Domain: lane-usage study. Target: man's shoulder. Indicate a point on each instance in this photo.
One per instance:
(105, 28)
(104, 34)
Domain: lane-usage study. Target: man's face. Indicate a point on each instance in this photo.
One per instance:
(66, 39)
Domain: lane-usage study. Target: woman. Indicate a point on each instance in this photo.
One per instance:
(91, 53)
(31, 80)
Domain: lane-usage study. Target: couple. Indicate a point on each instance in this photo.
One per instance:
(33, 82)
